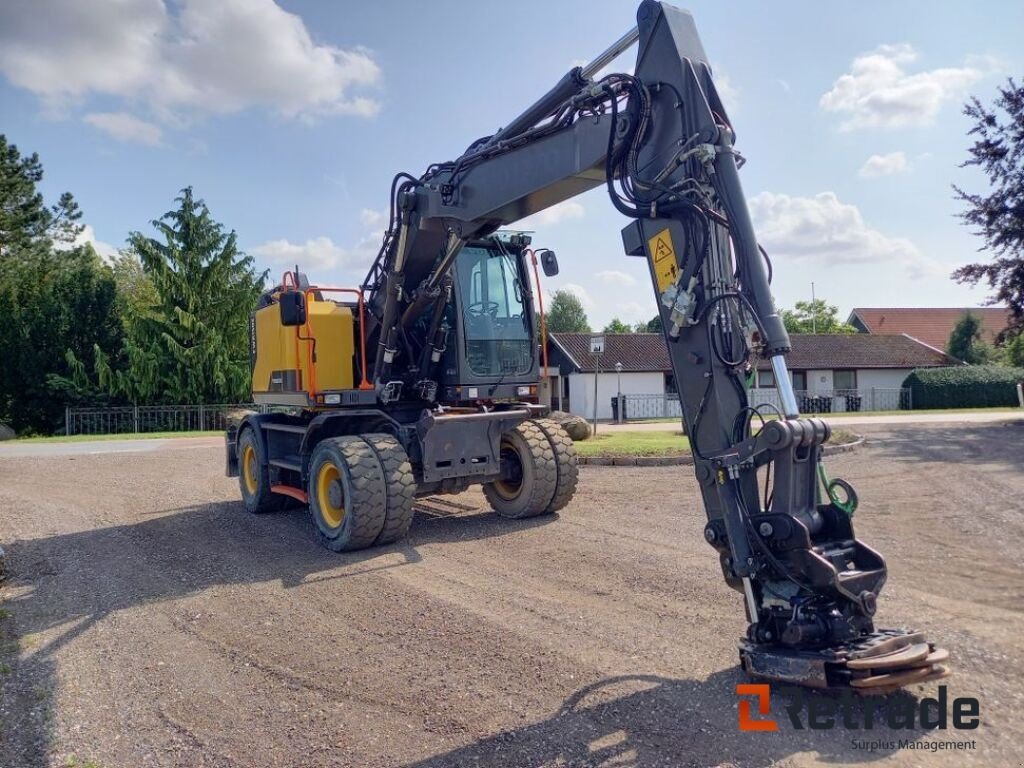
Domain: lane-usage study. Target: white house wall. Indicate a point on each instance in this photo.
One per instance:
(819, 381)
(581, 390)
(877, 387)
(882, 378)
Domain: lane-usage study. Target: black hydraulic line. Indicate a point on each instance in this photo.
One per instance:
(564, 89)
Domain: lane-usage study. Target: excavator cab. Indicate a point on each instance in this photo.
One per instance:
(492, 352)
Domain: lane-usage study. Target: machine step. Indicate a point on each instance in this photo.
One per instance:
(293, 463)
(298, 429)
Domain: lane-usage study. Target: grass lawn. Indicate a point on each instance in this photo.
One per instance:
(121, 436)
(634, 444)
(646, 443)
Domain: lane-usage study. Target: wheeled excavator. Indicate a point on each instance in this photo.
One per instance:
(424, 380)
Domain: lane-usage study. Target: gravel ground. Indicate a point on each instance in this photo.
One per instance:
(150, 622)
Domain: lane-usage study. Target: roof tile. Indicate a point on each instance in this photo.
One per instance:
(932, 326)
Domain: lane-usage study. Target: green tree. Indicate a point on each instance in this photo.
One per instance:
(652, 326)
(617, 326)
(566, 314)
(815, 317)
(1014, 351)
(24, 218)
(136, 294)
(56, 306)
(965, 342)
(191, 345)
(998, 217)
(64, 218)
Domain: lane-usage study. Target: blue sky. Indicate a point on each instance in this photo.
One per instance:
(290, 120)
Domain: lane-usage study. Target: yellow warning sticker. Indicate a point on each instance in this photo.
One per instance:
(663, 258)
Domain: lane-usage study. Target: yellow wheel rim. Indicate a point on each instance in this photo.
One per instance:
(332, 513)
(511, 488)
(250, 470)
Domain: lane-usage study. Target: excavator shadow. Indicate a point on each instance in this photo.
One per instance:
(647, 720)
(61, 586)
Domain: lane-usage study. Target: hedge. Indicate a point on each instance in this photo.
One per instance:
(964, 386)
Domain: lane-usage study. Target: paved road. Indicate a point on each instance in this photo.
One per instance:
(149, 621)
(22, 449)
(15, 448)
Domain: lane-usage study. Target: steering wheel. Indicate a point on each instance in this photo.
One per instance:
(481, 308)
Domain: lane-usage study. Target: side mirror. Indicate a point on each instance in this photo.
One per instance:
(293, 308)
(549, 262)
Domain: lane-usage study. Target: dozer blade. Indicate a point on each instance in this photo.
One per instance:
(880, 663)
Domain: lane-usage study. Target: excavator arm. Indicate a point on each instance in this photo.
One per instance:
(661, 142)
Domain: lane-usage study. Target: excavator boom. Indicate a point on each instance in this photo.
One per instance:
(661, 142)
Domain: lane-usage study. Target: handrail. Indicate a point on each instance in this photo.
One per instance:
(540, 301)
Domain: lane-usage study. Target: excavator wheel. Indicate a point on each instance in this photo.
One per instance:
(529, 473)
(565, 462)
(400, 486)
(254, 477)
(347, 493)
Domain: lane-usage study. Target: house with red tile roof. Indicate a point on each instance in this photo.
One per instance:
(931, 326)
(829, 373)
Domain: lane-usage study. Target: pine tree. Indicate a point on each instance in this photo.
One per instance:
(24, 217)
(191, 345)
(998, 217)
(64, 218)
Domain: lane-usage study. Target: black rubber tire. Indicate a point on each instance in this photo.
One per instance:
(536, 489)
(566, 462)
(363, 493)
(261, 499)
(401, 486)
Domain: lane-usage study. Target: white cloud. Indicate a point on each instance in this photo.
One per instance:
(126, 127)
(88, 235)
(784, 84)
(615, 277)
(634, 311)
(727, 92)
(883, 165)
(878, 92)
(549, 217)
(825, 230)
(371, 218)
(576, 290)
(319, 254)
(190, 57)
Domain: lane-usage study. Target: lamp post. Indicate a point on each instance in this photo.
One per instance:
(618, 396)
(596, 350)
